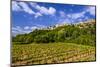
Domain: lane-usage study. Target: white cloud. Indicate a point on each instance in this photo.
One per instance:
(44, 10)
(41, 10)
(14, 32)
(15, 6)
(26, 27)
(72, 17)
(76, 15)
(21, 6)
(37, 15)
(37, 27)
(64, 21)
(26, 8)
(52, 11)
(26, 31)
(18, 30)
(41, 26)
(34, 27)
(91, 10)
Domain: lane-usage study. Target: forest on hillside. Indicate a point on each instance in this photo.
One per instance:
(81, 33)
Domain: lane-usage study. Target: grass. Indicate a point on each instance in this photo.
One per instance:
(50, 53)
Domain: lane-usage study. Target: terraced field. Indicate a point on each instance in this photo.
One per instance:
(51, 53)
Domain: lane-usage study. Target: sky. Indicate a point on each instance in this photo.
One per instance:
(28, 16)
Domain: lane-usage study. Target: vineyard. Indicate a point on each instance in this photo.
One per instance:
(51, 53)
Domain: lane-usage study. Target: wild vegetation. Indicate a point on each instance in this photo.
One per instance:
(82, 33)
(56, 44)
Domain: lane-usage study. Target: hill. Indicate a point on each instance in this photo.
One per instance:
(80, 33)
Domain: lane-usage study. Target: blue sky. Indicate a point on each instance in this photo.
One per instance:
(27, 16)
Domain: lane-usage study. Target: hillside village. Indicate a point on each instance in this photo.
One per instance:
(84, 24)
